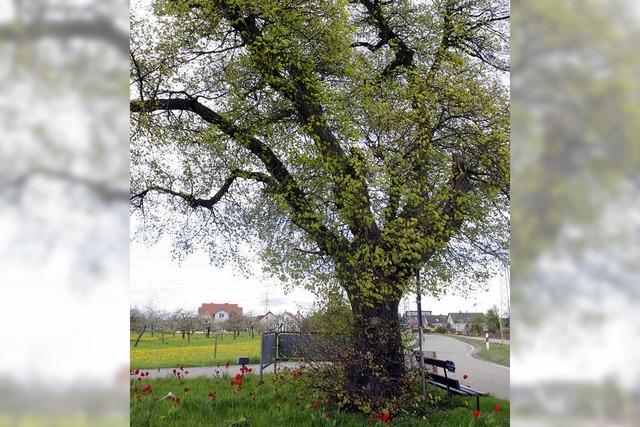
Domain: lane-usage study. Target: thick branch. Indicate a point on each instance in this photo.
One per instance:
(354, 205)
(459, 185)
(209, 203)
(388, 36)
(304, 213)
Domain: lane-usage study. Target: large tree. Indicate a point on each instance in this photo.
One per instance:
(348, 143)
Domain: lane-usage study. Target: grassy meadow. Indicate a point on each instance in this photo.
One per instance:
(151, 352)
(497, 353)
(279, 402)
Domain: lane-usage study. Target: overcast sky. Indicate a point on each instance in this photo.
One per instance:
(159, 280)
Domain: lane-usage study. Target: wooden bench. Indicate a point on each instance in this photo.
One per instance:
(452, 386)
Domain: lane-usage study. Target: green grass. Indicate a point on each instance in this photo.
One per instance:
(152, 353)
(276, 404)
(407, 337)
(497, 353)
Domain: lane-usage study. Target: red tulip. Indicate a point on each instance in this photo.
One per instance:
(476, 413)
(385, 417)
(497, 408)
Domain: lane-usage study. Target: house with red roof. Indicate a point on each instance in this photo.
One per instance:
(220, 312)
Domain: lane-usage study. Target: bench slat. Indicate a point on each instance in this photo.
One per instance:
(450, 384)
(473, 391)
(451, 389)
(444, 364)
(453, 383)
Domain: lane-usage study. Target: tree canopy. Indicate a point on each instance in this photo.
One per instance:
(344, 142)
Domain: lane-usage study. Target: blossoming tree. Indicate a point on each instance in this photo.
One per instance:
(348, 143)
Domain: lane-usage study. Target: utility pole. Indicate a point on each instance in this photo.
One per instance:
(266, 297)
(419, 303)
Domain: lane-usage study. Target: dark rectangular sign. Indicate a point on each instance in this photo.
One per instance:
(268, 354)
(299, 346)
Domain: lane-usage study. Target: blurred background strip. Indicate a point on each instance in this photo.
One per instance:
(575, 213)
(64, 169)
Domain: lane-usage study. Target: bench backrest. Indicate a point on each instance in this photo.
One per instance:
(449, 382)
(444, 364)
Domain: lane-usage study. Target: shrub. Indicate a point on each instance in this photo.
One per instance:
(332, 380)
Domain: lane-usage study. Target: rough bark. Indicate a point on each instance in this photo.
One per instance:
(376, 335)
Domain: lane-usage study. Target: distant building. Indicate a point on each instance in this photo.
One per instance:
(460, 322)
(220, 312)
(284, 321)
(412, 317)
(267, 320)
(435, 321)
(291, 321)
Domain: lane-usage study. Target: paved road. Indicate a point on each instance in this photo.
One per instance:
(482, 339)
(485, 376)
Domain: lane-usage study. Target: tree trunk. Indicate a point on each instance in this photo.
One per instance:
(208, 331)
(379, 366)
(183, 334)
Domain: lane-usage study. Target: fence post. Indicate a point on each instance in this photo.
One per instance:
(261, 357)
(275, 359)
(432, 355)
